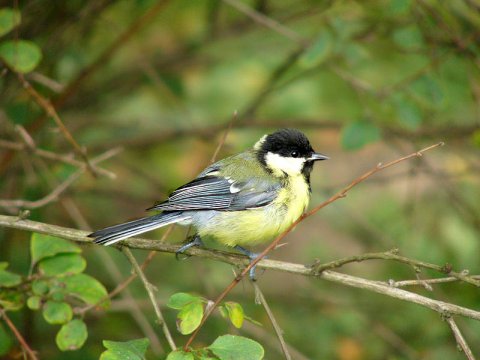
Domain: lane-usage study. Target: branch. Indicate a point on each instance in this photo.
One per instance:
(261, 298)
(239, 260)
(392, 255)
(17, 334)
(53, 196)
(67, 159)
(461, 342)
(149, 288)
(49, 109)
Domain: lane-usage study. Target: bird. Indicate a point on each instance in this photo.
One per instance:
(240, 201)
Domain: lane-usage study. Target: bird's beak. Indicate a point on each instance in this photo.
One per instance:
(317, 157)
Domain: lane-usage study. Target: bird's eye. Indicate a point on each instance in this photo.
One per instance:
(294, 154)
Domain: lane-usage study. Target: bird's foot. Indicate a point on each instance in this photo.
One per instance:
(252, 256)
(197, 241)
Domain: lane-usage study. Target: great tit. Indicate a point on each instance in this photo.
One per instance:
(242, 200)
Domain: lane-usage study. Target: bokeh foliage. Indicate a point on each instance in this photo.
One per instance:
(366, 80)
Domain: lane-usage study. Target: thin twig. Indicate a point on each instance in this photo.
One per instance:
(392, 255)
(55, 193)
(224, 137)
(461, 342)
(266, 21)
(259, 295)
(151, 295)
(67, 159)
(339, 195)
(17, 334)
(421, 282)
(47, 106)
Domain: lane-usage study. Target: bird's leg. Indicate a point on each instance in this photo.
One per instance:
(197, 241)
(252, 256)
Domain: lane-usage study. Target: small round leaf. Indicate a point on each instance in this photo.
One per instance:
(21, 55)
(55, 312)
(63, 264)
(34, 302)
(229, 347)
(9, 19)
(72, 335)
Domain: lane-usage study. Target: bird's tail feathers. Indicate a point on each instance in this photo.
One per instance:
(115, 233)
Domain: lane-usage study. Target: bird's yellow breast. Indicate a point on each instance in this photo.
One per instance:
(254, 226)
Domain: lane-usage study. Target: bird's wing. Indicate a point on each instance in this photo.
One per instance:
(220, 193)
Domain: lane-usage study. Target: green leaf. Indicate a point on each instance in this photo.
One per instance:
(34, 302)
(86, 288)
(319, 51)
(427, 90)
(11, 299)
(55, 312)
(63, 264)
(9, 19)
(358, 134)
(179, 300)
(189, 318)
(21, 55)
(235, 313)
(7, 278)
(399, 7)
(5, 341)
(40, 287)
(72, 335)
(408, 37)
(43, 246)
(408, 112)
(231, 347)
(127, 350)
(180, 355)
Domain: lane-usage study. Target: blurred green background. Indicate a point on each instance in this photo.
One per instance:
(368, 81)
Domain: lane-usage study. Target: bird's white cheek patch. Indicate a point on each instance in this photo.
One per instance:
(290, 165)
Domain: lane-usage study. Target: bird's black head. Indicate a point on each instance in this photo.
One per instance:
(287, 152)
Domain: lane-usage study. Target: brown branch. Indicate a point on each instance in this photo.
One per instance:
(17, 334)
(266, 21)
(103, 58)
(47, 106)
(67, 159)
(278, 331)
(341, 194)
(461, 342)
(224, 137)
(53, 196)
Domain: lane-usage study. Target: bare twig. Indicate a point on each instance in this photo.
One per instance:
(461, 342)
(151, 295)
(53, 196)
(339, 195)
(393, 255)
(17, 334)
(47, 106)
(266, 21)
(261, 298)
(421, 282)
(67, 159)
(224, 137)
